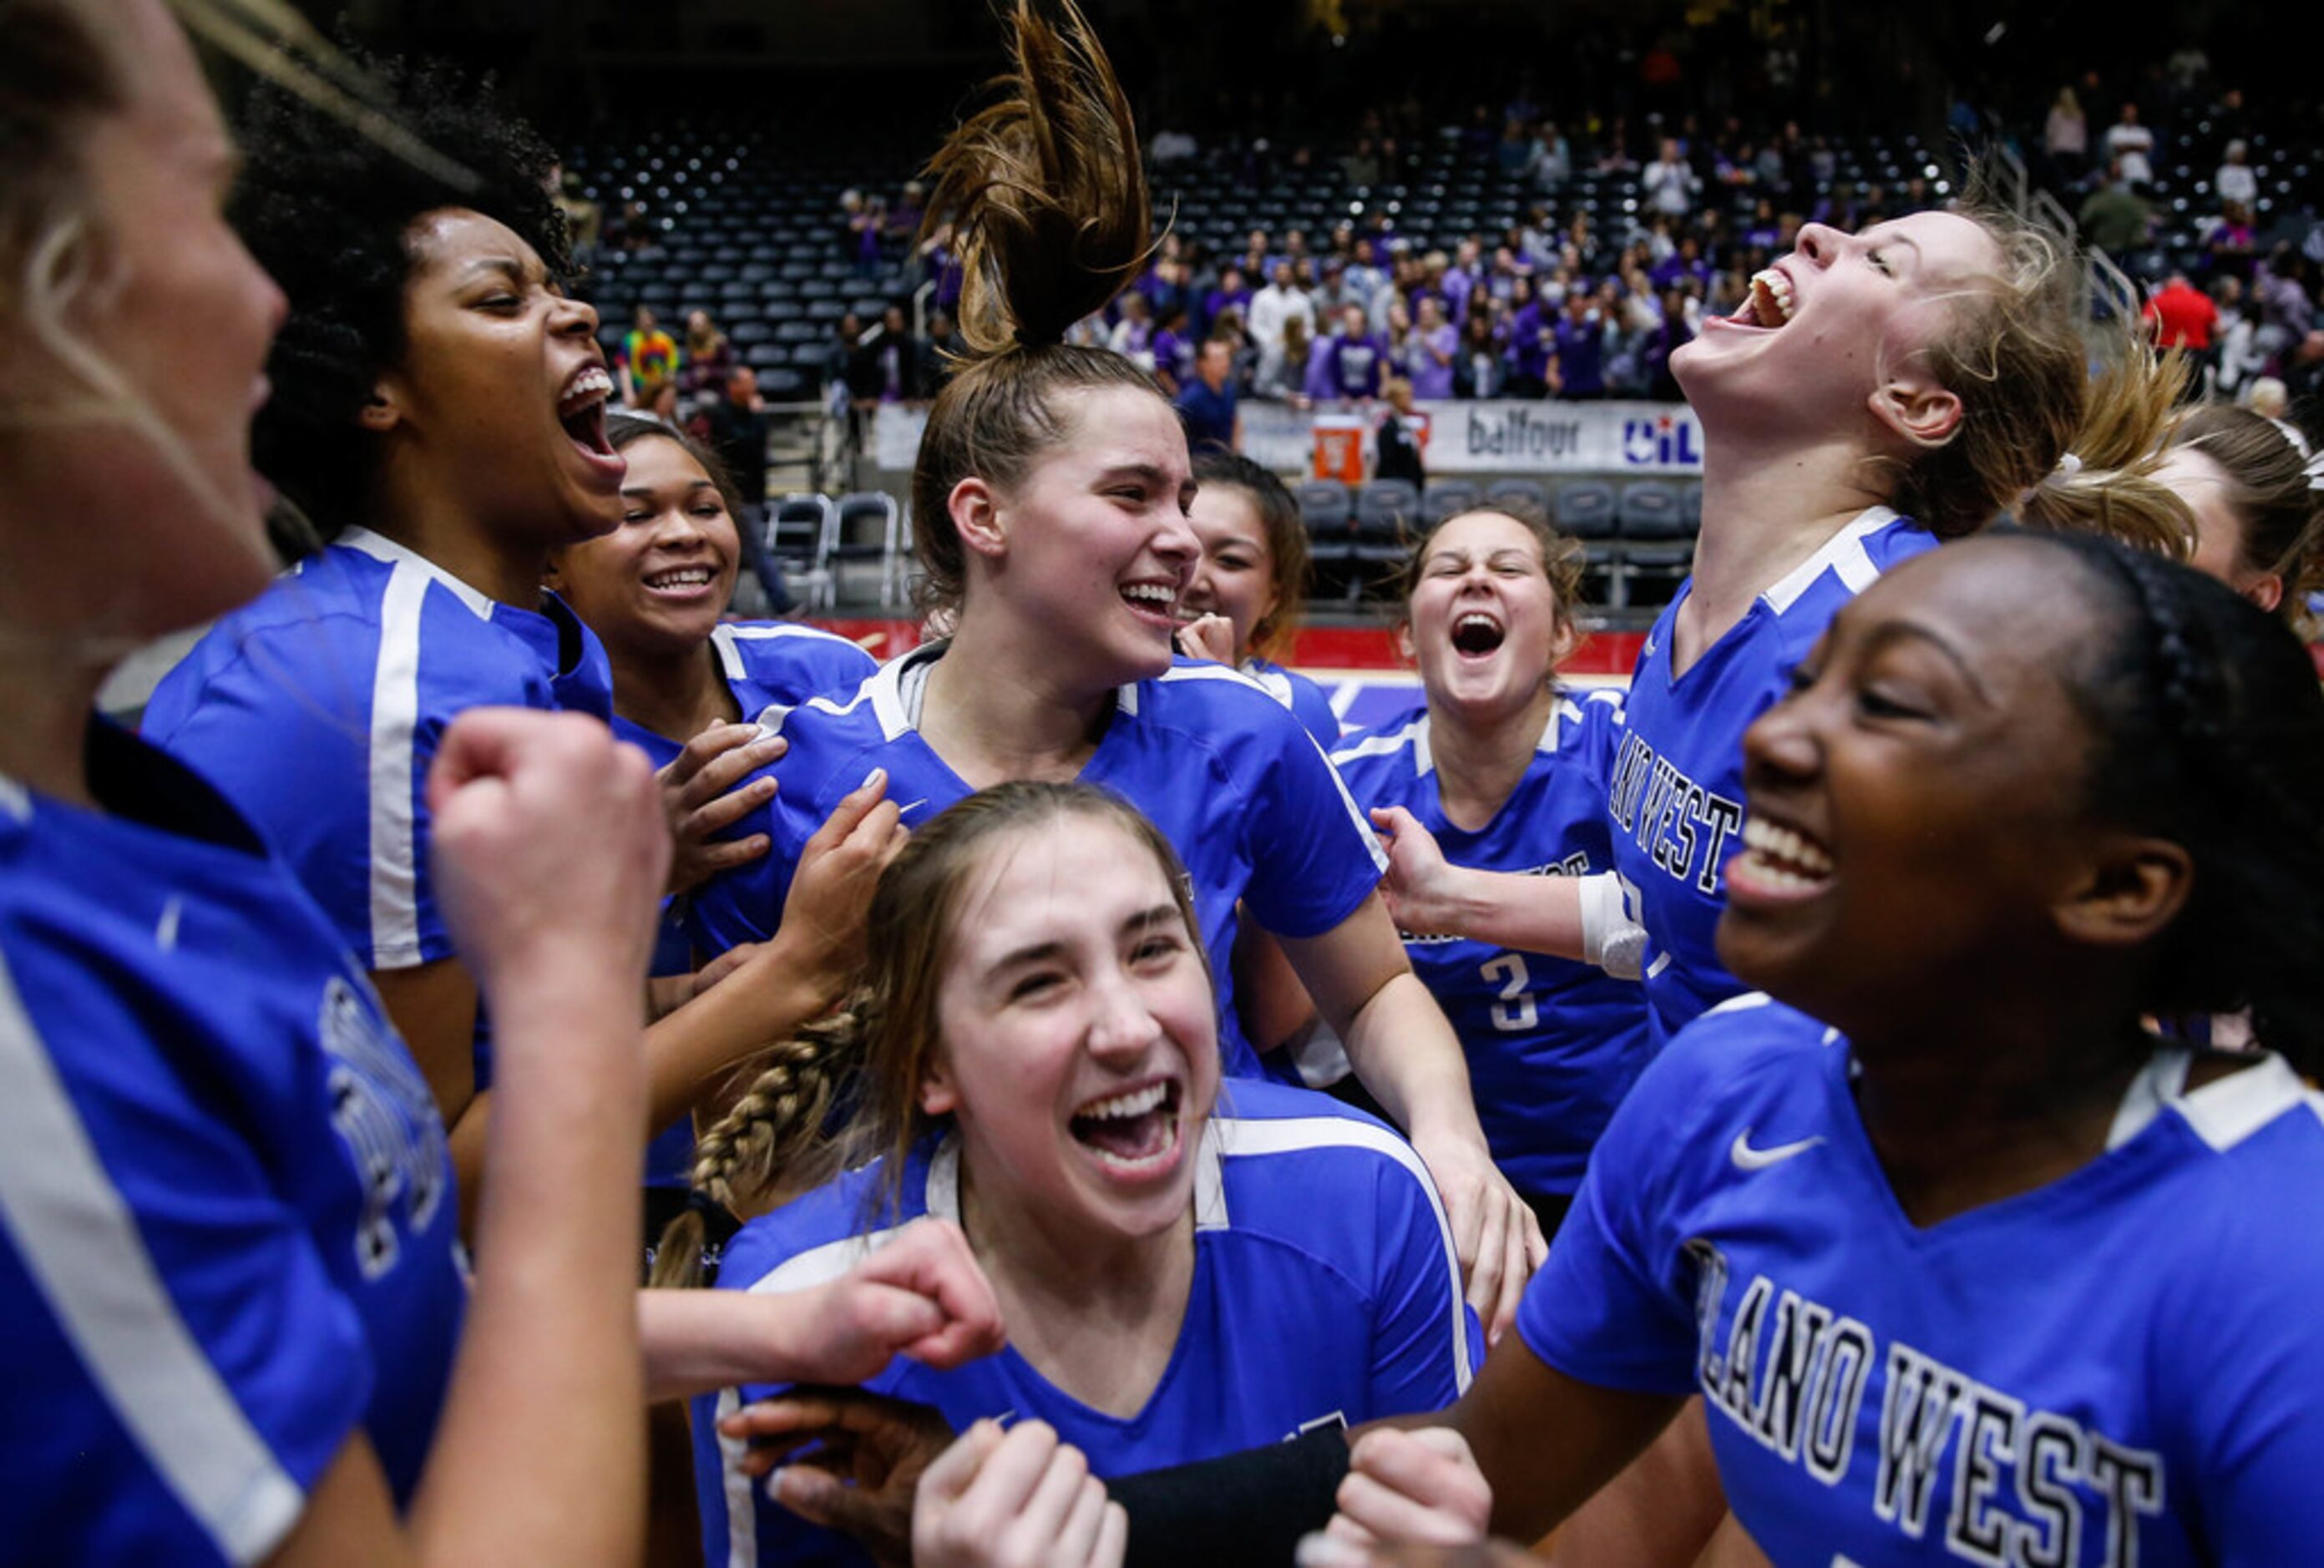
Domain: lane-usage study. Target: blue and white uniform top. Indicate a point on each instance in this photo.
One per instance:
(1309, 702)
(1553, 1045)
(226, 1215)
(1676, 796)
(1302, 1313)
(769, 664)
(2118, 1367)
(317, 707)
(1240, 790)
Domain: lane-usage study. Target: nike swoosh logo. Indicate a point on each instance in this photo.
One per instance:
(1745, 1157)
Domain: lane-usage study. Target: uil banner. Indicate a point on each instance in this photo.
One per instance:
(1543, 437)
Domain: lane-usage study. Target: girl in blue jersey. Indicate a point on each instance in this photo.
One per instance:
(1508, 770)
(1252, 578)
(1966, 1263)
(652, 591)
(234, 1322)
(1049, 505)
(1878, 392)
(438, 408)
(1034, 1055)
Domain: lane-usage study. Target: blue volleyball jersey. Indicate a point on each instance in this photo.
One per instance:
(1240, 790)
(2118, 1367)
(1677, 793)
(226, 1215)
(1306, 700)
(1553, 1045)
(317, 709)
(765, 664)
(1301, 1313)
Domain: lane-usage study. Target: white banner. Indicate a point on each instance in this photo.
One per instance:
(1530, 437)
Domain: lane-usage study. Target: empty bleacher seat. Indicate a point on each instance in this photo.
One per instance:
(801, 530)
(1447, 498)
(1657, 542)
(1526, 491)
(871, 529)
(1586, 508)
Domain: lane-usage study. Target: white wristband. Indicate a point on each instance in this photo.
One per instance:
(1611, 937)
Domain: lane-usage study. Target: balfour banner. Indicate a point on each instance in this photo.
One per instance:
(1533, 436)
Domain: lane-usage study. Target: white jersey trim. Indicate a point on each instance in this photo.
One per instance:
(726, 637)
(1237, 1138)
(1743, 1003)
(1414, 734)
(2228, 1111)
(1844, 554)
(381, 548)
(81, 1245)
(394, 880)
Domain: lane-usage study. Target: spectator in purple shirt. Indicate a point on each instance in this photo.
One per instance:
(1532, 341)
(1347, 366)
(1435, 340)
(1463, 278)
(1578, 373)
(1672, 334)
(1174, 350)
(1233, 290)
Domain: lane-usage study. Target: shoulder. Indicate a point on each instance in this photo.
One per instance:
(1277, 1142)
(792, 662)
(1387, 752)
(1806, 599)
(820, 1235)
(1584, 716)
(1212, 700)
(1748, 1051)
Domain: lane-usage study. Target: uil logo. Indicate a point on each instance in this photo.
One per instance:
(382, 1112)
(1665, 442)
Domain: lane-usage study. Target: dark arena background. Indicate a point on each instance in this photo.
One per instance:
(756, 161)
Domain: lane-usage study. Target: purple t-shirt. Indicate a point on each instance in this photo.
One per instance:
(1346, 367)
(1430, 379)
(1581, 355)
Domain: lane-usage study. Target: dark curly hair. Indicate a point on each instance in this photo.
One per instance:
(2209, 732)
(329, 213)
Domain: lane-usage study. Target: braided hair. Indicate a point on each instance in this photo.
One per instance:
(2210, 731)
(775, 1131)
(844, 1090)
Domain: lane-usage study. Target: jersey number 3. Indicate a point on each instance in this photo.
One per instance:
(1515, 1011)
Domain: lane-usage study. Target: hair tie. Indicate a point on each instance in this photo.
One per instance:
(2312, 462)
(2068, 467)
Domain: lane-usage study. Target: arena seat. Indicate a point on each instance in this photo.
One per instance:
(876, 522)
(801, 530)
(1523, 492)
(1586, 508)
(1445, 498)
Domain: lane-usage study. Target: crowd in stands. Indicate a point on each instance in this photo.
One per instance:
(2178, 180)
(1515, 253)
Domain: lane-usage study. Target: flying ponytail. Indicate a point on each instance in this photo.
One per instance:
(1047, 203)
(2105, 484)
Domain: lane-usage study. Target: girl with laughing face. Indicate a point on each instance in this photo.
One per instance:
(1877, 392)
(438, 411)
(1034, 1054)
(1966, 1261)
(1050, 505)
(239, 1325)
(1508, 768)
